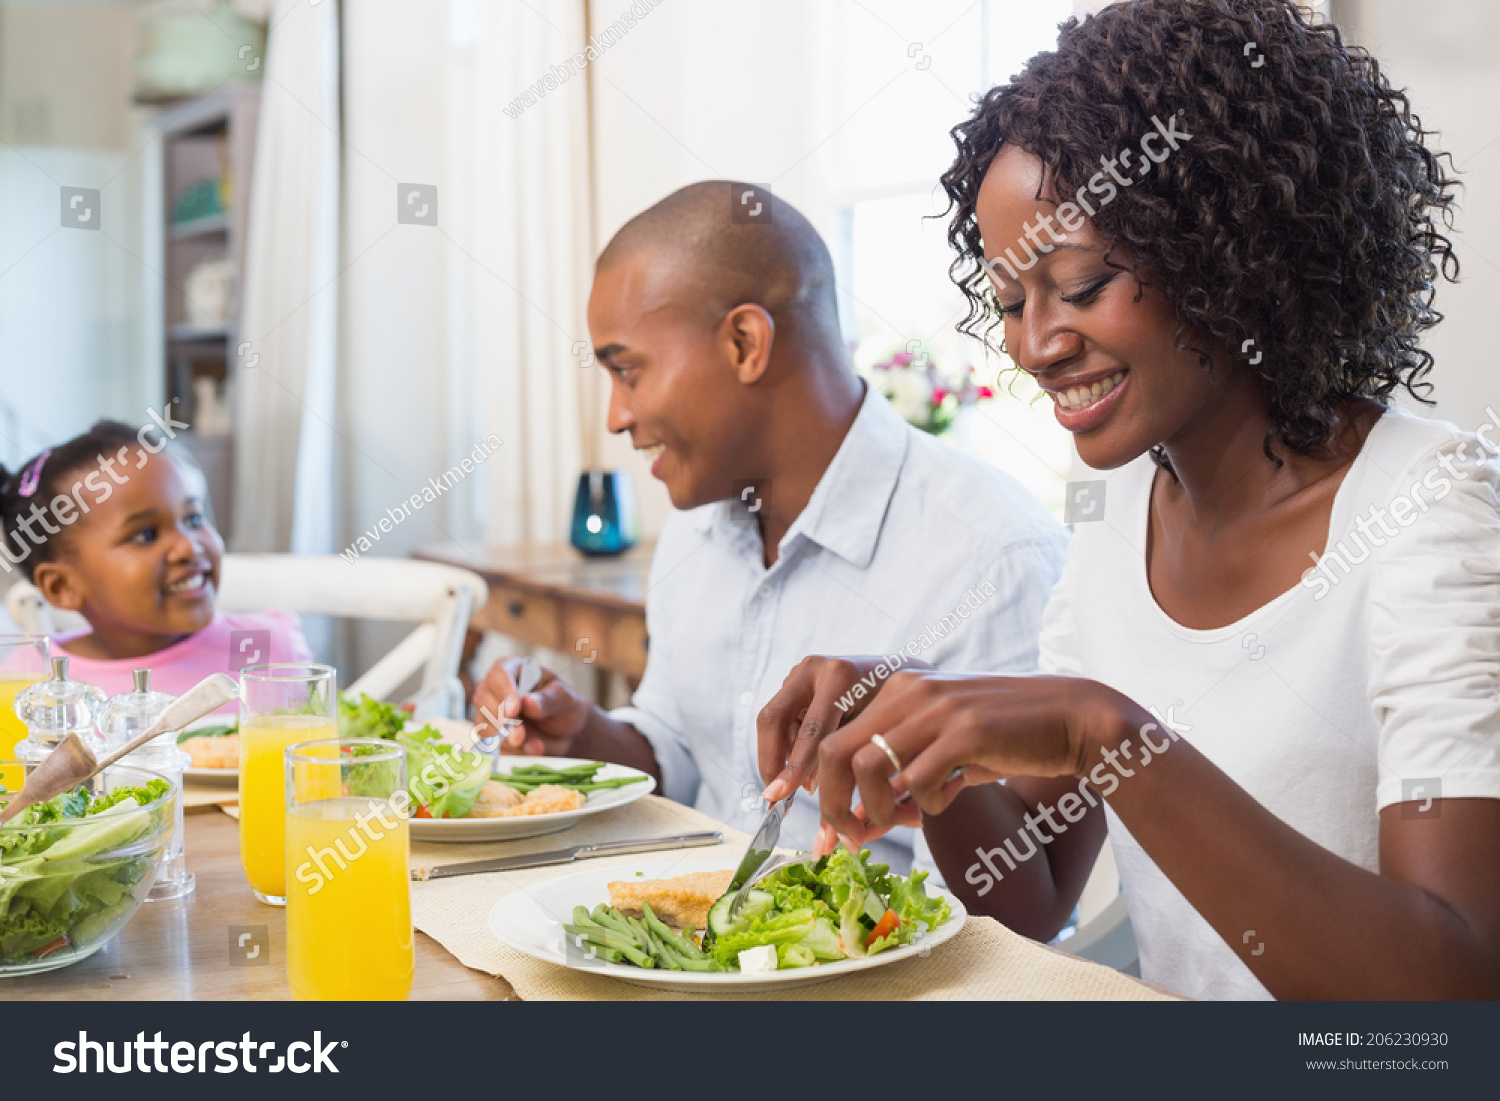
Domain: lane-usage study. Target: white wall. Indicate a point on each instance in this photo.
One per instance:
(78, 308)
(1443, 51)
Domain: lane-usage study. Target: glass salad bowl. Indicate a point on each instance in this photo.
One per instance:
(75, 869)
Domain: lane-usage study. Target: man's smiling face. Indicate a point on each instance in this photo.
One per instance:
(673, 385)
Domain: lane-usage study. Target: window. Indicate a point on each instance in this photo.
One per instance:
(902, 76)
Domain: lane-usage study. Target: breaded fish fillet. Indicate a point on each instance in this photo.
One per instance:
(681, 901)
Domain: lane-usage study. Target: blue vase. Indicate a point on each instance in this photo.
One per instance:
(604, 514)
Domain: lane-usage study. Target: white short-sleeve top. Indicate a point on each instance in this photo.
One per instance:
(1375, 681)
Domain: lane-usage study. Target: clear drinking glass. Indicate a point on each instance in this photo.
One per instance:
(280, 704)
(348, 917)
(23, 662)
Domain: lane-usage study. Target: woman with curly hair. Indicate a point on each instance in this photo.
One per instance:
(1210, 230)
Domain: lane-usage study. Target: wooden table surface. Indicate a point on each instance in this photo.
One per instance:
(184, 950)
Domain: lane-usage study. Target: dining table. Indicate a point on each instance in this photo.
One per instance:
(191, 949)
(221, 944)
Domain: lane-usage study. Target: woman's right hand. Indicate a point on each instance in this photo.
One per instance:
(552, 714)
(818, 696)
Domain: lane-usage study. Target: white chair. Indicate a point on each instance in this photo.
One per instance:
(1104, 931)
(438, 598)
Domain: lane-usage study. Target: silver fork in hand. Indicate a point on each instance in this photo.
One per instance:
(775, 864)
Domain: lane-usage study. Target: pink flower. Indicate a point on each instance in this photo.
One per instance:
(985, 392)
(902, 359)
(938, 394)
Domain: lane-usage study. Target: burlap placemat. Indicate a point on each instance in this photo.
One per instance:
(985, 961)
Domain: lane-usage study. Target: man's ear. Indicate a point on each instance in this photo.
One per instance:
(60, 586)
(750, 332)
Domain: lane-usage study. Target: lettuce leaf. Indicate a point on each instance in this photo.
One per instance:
(771, 927)
(914, 906)
(74, 882)
(367, 718)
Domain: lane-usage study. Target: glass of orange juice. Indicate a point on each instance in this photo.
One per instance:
(348, 911)
(280, 704)
(23, 662)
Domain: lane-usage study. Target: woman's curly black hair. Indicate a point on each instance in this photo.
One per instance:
(1301, 214)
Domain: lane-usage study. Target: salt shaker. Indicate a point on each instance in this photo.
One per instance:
(54, 708)
(126, 716)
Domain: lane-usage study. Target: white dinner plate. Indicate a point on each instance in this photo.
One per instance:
(531, 922)
(218, 777)
(534, 825)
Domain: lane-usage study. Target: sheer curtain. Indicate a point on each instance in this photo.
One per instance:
(285, 401)
(520, 259)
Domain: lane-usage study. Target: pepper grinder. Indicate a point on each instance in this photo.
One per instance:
(54, 708)
(125, 716)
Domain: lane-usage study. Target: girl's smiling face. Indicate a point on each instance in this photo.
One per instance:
(1099, 344)
(142, 567)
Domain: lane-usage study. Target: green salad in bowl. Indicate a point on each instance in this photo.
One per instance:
(73, 870)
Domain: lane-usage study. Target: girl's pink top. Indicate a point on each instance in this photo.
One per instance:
(230, 642)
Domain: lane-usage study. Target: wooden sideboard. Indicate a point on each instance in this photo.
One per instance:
(593, 610)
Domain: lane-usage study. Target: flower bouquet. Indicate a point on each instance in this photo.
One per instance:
(926, 396)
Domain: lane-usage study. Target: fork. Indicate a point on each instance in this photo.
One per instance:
(775, 864)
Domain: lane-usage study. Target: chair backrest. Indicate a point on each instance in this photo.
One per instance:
(440, 599)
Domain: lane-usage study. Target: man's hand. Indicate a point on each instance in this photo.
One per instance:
(551, 715)
(806, 709)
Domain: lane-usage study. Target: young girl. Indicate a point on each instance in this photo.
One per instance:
(111, 526)
(1277, 634)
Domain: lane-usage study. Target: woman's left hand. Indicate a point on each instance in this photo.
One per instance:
(993, 727)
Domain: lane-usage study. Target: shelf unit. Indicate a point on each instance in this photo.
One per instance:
(205, 139)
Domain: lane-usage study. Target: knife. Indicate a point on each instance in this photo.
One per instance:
(567, 856)
(762, 844)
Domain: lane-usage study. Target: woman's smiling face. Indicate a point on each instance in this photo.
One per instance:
(1099, 344)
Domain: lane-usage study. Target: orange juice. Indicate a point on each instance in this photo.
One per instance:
(263, 794)
(348, 916)
(12, 729)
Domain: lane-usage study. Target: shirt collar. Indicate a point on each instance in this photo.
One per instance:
(848, 507)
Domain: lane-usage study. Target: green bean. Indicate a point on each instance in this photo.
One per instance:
(682, 943)
(607, 938)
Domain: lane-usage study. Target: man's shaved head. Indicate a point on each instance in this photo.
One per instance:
(719, 328)
(707, 252)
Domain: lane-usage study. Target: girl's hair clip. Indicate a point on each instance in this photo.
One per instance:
(31, 477)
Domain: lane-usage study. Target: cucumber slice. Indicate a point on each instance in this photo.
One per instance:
(719, 921)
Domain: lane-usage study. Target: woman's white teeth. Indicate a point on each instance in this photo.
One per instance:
(1081, 397)
(187, 584)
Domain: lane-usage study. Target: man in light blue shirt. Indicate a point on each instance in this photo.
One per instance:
(811, 518)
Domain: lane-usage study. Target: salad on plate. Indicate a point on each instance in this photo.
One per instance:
(839, 907)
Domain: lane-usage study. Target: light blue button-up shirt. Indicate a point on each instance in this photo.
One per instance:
(905, 545)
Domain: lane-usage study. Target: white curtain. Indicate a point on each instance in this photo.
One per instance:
(285, 402)
(520, 264)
